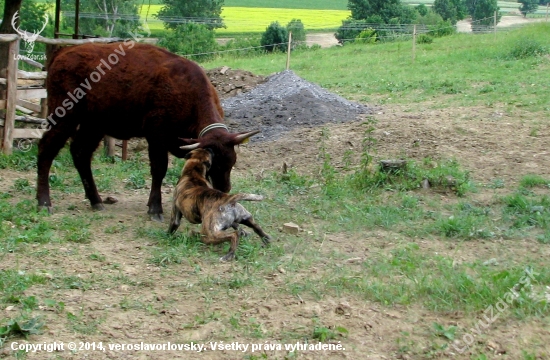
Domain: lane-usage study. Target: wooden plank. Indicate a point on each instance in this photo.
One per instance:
(32, 62)
(29, 105)
(29, 119)
(8, 37)
(28, 133)
(11, 102)
(32, 94)
(25, 94)
(27, 75)
(44, 40)
(2, 104)
(23, 110)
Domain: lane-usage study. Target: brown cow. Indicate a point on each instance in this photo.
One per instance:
(128, 90)
(195, 200)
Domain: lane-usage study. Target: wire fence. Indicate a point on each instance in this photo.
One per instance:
(384, 32)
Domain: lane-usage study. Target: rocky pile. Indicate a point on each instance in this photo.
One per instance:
(284, 102)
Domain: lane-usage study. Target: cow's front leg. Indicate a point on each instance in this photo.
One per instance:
(158, 156)
(82, 149)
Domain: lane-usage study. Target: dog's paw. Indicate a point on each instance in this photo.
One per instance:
(266, 240)
(243, 233)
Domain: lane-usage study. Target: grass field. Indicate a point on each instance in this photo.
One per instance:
(409, 82)
(381, 265)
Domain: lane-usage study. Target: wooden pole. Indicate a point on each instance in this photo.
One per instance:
(11, 96)
(288, 50)
(547, 5)
(43, 108)
(124, 150)
(57, 18)
(76, 19)
(414, 43)
(495, 25)
(109, 143)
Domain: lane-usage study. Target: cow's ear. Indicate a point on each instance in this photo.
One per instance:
(243, 138)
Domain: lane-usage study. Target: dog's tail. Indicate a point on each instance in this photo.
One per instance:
(247, 197)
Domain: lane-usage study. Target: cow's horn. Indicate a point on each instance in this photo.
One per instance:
(190, 147)
(242, 137)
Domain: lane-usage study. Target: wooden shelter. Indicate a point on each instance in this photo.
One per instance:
(25, 91)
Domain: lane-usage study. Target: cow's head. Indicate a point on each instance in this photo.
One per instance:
(222, 145)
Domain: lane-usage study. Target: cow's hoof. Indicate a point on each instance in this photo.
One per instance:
(48, 208)
(228, 257)
(98, 207)
(157, 217)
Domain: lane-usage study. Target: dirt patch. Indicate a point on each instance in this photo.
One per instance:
(324, 40)
(231, 82)
(183, 302)
(505, 21)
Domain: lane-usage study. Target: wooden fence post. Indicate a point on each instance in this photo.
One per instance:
(109, 143)
(11, 96)
(414, 43)
(547, 5)
(495, 25)
(124, 150)
(288, 50)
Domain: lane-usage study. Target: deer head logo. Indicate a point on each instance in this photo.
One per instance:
(28, 37)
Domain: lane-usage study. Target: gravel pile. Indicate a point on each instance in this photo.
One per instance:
(284, 102)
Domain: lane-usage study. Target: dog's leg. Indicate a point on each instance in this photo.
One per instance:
(241, 231)
(249, 221)
(175, 219)
(218, 237)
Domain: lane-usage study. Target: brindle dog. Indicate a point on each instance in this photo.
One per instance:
(198, 202)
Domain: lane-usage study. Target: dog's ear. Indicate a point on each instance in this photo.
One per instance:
(188, 155)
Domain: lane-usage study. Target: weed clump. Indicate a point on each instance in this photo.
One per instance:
(526, 48)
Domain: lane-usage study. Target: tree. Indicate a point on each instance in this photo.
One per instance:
(387, 9)
(482, 11)
(275, 37)
(191, 39)
(298, 31)
(103, 17)
(528, 6)
(10, 8)
(422, 9)
(207, 12)
(452, 10)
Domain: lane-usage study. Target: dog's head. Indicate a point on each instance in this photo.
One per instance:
(200, 157)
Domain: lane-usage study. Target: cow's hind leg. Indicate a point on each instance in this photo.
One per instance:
(52, 141)
(158, 157)
(83, 146)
